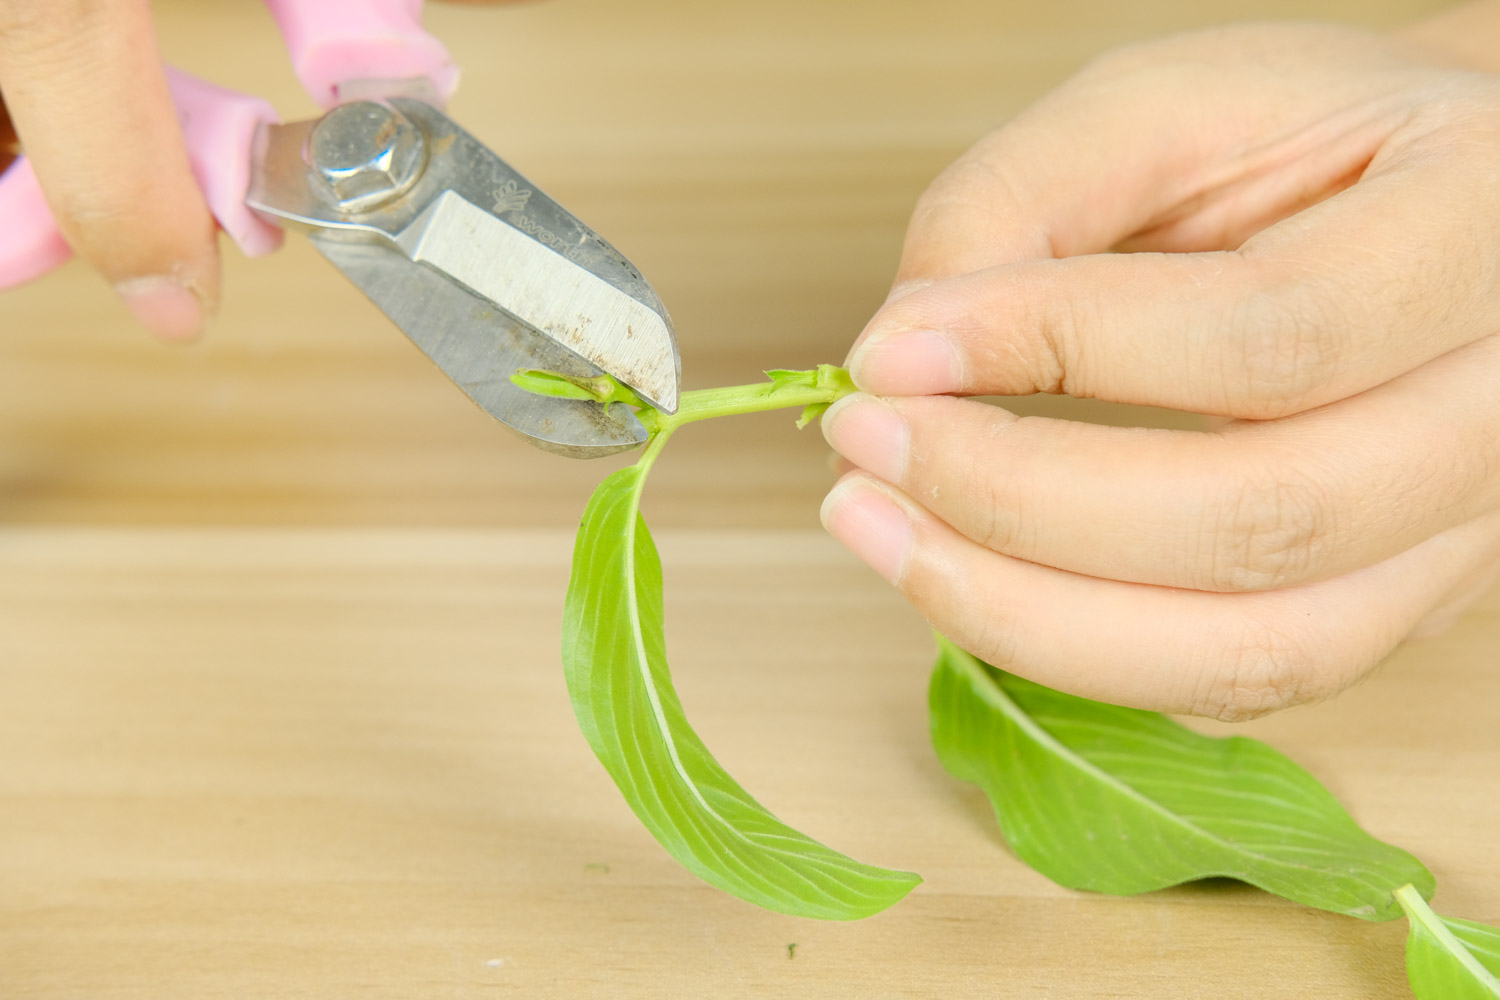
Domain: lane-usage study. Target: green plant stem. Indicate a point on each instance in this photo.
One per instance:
(812, 389)
(823, 386)
(654, 445)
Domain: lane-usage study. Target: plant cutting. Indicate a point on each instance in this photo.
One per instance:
(1094, 796)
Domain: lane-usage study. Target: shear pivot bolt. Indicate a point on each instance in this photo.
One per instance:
(363, 154)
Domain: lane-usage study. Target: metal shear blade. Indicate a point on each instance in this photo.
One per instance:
(479, 347)
(483, 272)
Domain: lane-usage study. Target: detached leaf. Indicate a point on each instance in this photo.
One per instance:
(1449, 959)
(1122, 801)
(614, 654)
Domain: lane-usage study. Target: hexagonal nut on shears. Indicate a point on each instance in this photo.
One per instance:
(363, 154)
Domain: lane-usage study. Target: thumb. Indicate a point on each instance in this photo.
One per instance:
(1073, 174)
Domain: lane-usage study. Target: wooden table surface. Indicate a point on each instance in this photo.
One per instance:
(281, 713)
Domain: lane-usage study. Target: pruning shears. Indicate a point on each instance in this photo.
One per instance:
(483, 271)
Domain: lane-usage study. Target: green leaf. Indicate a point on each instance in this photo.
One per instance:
(830, 378)
(1449, 959)
(1122, 801)
(811, 412)
(786, 378)
(599, 388)
(614, 654)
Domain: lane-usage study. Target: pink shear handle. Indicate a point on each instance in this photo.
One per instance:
(334, 42)
(30, 243)
(219, 128)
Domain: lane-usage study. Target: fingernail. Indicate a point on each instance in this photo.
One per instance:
(870, 524)
(164, 306)
(907, 363)
(898, 292)
(871, 434)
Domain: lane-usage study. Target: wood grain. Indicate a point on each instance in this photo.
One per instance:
(281, 713)
(316, 762)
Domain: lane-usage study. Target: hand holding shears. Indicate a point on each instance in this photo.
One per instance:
(479, 267)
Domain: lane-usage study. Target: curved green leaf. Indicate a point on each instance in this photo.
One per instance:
(614, 653)
(1123, 801)
(1449, 959)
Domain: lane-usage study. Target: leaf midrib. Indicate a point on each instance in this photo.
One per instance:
(642, 661)
(1422, 915)
(658, 713)
(992, 692)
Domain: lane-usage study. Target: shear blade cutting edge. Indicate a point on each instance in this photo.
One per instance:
(479, 347)
(487, 275)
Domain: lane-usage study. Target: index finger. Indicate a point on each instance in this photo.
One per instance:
(1216, 133)
(1348, 294)
(87, 93)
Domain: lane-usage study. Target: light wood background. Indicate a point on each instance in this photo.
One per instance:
(281, 713)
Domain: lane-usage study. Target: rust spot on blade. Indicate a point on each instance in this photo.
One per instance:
(610, 427)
